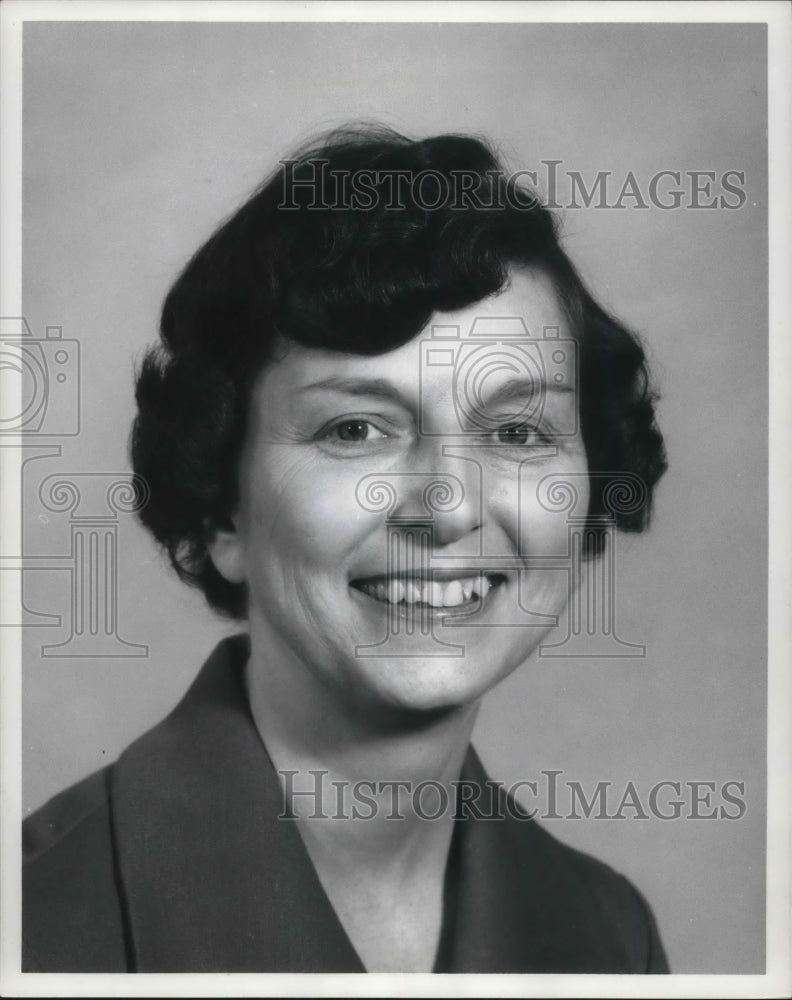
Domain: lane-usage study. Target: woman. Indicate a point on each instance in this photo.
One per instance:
(372, 379)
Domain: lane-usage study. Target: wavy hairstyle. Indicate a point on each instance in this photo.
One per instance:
(335, 250)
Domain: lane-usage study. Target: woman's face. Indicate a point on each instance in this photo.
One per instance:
(401, 595)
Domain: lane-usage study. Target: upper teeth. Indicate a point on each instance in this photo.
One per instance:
(439, 595)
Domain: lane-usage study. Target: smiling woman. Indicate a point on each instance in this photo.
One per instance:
(349, 433)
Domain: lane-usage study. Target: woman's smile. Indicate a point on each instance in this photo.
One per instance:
(441, 594)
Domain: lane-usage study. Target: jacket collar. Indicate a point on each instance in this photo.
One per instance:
(213, 880)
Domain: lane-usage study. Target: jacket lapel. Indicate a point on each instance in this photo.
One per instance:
(496, 929)
(214, 881)
(525, 901)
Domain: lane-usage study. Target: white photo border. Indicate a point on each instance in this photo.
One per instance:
(777, 980)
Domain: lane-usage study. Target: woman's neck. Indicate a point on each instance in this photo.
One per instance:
(372, 790)
(347, 757)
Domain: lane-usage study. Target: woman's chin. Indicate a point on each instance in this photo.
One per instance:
(422, 684)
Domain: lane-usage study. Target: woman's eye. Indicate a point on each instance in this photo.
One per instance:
(520, 435)
(354, 432)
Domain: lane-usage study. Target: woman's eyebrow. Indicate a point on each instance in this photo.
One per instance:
(378, 387)
(519, 388)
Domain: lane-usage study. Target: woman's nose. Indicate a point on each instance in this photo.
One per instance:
(447, 497)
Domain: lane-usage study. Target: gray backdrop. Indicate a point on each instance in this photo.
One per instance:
(139, 138)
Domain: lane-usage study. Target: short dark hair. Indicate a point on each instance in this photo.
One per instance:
(331, 252)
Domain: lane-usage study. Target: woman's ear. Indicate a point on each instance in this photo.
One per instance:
(226, 550)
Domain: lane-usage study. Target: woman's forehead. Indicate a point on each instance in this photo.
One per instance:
(526, 309)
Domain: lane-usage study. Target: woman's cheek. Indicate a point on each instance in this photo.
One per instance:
(312, 509)
(534, 526)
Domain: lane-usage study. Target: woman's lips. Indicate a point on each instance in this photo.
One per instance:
(449, 592)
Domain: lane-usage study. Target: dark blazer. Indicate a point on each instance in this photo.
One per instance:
(174, 860)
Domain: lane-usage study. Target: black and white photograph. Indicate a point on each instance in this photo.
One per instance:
(395, 443)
